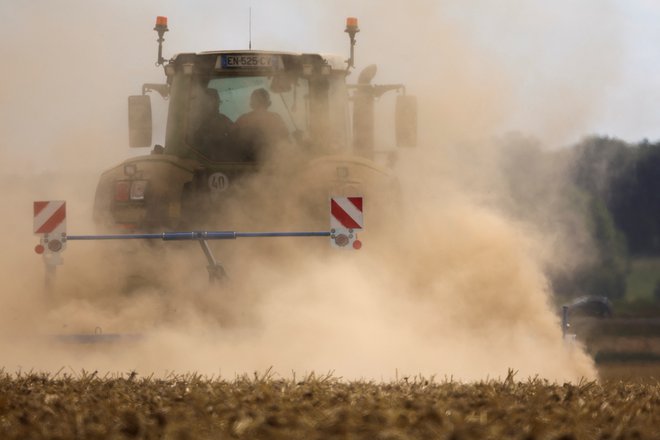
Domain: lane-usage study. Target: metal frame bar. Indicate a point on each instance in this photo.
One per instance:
(198, 235)
(215, 269)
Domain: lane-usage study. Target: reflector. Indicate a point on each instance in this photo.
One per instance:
(39, 249)
(138, 188)
(55, 245)
(341, 240)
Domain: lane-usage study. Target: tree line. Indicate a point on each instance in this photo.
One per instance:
(614, 187)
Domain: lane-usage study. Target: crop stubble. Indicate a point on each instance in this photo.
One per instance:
(86, 406)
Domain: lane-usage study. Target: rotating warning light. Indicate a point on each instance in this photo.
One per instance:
(161, 28)
(351, 30)
(161, 22)
(39, 249)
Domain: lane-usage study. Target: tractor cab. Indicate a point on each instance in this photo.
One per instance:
(233, 113)
(302, 99)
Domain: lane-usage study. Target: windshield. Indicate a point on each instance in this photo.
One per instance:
(235, 95)
(232, 118)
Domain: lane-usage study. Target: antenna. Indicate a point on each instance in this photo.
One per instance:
(250, 30)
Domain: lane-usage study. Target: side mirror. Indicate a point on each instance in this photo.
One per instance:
(405, 115)
(139, 121)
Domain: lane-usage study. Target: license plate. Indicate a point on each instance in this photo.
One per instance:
(248, 61)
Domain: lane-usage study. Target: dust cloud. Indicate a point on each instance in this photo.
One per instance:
(455, 286)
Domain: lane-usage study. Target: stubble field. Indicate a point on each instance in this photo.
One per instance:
(66, 406)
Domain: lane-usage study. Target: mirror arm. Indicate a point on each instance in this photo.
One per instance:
(377, 90)
(162, 89)
(380, 90)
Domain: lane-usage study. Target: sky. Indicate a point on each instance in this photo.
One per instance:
(603, 49)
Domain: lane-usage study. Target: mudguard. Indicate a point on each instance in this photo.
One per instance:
(158, 206)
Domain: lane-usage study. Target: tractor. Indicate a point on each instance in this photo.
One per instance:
(255, 141)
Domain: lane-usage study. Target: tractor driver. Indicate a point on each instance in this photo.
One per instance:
(212, 136)
(259, 128)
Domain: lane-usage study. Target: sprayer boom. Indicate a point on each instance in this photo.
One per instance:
(50, 222)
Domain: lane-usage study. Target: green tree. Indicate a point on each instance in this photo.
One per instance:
(607, 276)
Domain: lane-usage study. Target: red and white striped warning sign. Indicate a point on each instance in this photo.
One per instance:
(50, 217)
(346, 212)
(345, 219)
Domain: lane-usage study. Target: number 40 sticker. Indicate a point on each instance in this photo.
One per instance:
(218, 182)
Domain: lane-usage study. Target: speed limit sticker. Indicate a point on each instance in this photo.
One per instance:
(218, 182)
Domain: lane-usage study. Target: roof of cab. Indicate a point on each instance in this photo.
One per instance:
(336, 62)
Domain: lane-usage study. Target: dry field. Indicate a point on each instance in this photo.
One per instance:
(40, 406)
